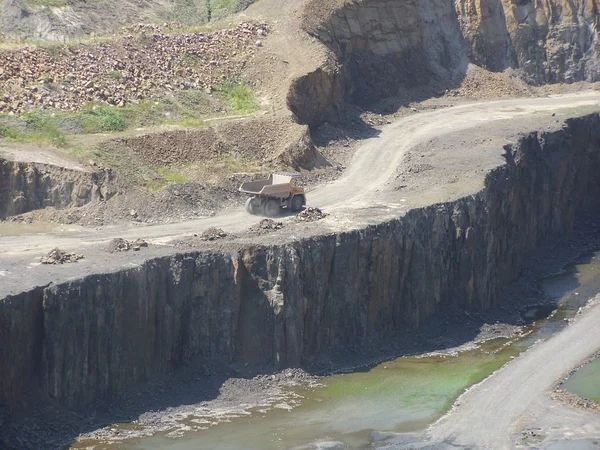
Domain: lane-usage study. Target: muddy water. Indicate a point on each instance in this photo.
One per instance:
(403, 395)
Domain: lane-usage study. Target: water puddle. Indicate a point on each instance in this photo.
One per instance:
(403, 395)
(585, 382)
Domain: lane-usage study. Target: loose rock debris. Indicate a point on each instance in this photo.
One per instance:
(212, 234)
(269, 224)
(311, 215)
(265, 226)
(57, 256)
(150, 65)
(122, 245)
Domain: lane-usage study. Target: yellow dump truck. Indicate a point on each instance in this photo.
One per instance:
(278, 192)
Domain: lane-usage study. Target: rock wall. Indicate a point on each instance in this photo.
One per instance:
(26, 187)
(90, 338)
(381, 46)
(378, 47)
(555, 41)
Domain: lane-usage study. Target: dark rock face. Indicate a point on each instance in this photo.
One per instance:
(90, 338)
(377, 47)
(26, 187)
(317, 96)
(382, 46)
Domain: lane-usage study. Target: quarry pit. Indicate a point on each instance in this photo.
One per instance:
(457, 194)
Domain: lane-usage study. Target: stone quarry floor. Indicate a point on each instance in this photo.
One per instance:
(420, 159)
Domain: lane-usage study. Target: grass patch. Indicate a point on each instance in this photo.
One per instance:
(80, 150)
(172, 176)
(166, 175)
(189, 122)
(215, 170)
(240, 97)
(8, 132)
(107, 118)
(41, 128)
(184, 109)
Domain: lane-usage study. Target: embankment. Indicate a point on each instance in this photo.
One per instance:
(88, 339)
(29, 186)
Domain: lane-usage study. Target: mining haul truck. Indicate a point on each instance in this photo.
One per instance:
(278, 192)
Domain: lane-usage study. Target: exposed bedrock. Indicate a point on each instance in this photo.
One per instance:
(88, 339)
(26, 187)
(377, 47)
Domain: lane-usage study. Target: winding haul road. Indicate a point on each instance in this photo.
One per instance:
(365, 182)
(491, 412)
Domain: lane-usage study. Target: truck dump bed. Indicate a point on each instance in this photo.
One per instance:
(277, 185)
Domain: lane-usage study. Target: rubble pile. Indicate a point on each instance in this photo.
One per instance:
(265, 226)
(57, 256)
(123, 245)
(311, 215)
(270, 224)
(127, 70)
(212, 234)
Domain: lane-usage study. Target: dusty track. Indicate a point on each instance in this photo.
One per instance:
(492, 413)
(366, 184)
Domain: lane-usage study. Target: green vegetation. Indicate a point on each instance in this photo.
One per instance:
(184, 109)
(189, 122)
(165, 176)
(216, 169)
(8, 132)
(107, 119)
(171, 176)
(240, 97)
(38, 129)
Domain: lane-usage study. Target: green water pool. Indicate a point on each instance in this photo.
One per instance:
(586, 381)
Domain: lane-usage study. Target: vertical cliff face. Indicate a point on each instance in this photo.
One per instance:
(385, 44)
(88, 339)
(21, 330)
(483, 25)
(26, 187)
(380, 46)
(555, 41)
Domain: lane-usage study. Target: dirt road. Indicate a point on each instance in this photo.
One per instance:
(367, 181)
(492, 414)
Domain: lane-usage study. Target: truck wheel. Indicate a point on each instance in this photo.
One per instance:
(249, 206)
(272, 208)
(254, 206)
(297, 203)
